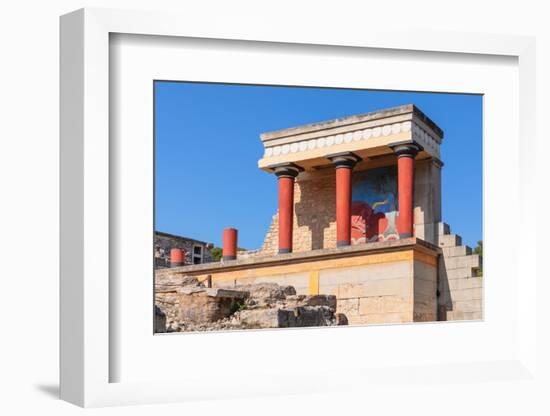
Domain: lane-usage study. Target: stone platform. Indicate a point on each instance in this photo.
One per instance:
(386, 282)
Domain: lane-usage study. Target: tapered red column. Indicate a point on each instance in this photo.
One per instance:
(177, 257)
(344, 164)
(229, 248)
(286, 174)
(405, 188)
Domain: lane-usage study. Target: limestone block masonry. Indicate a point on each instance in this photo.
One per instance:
(385, 282)
(460, 289)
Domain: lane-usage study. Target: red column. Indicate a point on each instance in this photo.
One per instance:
(177, 257)
(286, 174)
(229, 250)
(286, 213)
(405, 188)
(343, 206)
(344, 164)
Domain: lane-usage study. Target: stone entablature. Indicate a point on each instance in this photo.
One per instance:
(366, 135)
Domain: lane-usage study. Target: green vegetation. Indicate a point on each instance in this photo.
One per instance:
(237, 306)
(217, 253)
(479, 250)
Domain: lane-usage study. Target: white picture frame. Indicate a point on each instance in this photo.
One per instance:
(87, 308)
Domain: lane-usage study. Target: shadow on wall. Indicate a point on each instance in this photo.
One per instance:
(444, 299)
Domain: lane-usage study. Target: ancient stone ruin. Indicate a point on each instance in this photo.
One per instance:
(188, 305)
(358, 236)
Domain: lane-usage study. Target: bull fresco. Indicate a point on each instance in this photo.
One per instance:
(374, 206)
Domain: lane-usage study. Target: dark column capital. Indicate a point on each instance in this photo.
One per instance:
(286, 170)
(407, 150)
(344, 159)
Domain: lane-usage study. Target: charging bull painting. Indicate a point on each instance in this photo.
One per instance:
(374, 206)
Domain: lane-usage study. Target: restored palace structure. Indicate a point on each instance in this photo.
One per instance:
(359, 217)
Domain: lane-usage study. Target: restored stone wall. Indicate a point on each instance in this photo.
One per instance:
(370, 287)
(377, 293)
(314, 214)
(404, 285)
(460, 288)
(425, 291)
(427, 197)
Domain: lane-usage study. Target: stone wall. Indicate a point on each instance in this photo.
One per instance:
(460, 288)
(164, 242)
(389, 282)
(427, 198)
(402, 284)
(314, 214)
(393, 292)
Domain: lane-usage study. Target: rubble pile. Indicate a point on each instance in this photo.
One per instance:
(190, 306)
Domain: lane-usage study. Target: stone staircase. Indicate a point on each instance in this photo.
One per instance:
(460, 288)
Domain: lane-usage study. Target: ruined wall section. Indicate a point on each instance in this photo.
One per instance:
(165, 242)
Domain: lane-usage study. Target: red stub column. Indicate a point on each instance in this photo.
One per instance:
(344, 164)
(286, 174)
(177, 257)
(229, 250)
(405, 188)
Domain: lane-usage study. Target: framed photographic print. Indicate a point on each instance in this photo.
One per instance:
(358, 236)
(274, 204)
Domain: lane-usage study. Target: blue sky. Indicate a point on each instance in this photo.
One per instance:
(208, 145)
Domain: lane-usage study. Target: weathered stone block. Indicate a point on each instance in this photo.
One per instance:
(298, 281)
(467, 305)
(464, 316)
(267, 290)
(304, 316)
(460, 262)
(263, 318)
(461, 273)
(466, 283)
(321, 300)
(467, 294)
(385, 318)
(457, 251)
(397, 287)
(166, 282)
(425, 287)
(381, 271)
(449, 240)
(425, 316)
(426, 305)
(384, 304)
(208, 305)
(348, 307)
